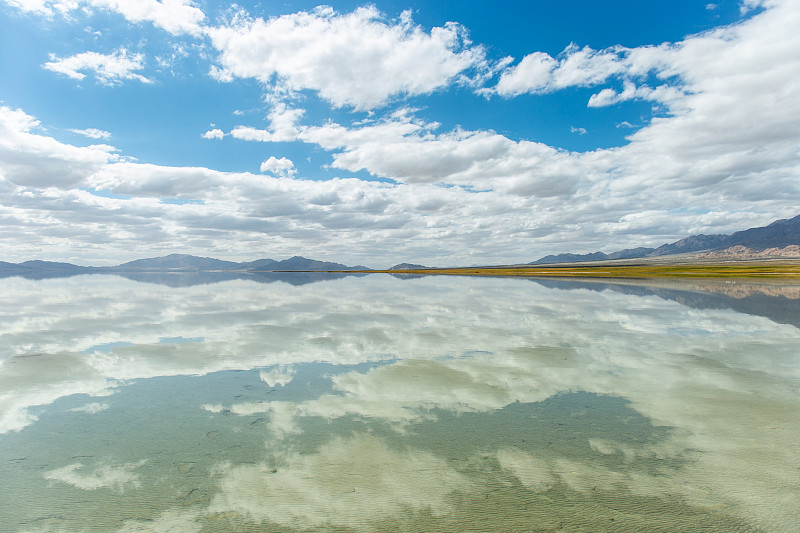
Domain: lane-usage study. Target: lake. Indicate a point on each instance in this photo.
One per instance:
(303, 402)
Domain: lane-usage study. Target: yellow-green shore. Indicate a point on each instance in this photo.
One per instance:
(777, 269)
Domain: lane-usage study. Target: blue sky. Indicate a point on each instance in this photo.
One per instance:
(434, 132)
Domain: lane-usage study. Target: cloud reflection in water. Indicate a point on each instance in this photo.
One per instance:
(414, 412)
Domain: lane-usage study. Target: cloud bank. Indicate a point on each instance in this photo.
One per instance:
(109, 69)
(358, 59)
(720, 155)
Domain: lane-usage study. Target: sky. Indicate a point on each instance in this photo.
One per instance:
(434, 132)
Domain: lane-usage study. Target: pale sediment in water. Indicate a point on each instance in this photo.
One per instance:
(445, 405)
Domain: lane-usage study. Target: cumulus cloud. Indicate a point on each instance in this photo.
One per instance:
(723, 157)
(215, 133)
(584, 67)
(408, 151)
(734, 121)
(40, 7)
(282, 126)
(91, 408)
(174, 16)
(29, 158)
(689, 154)
(306, 491)
(279, 167)
(608, 96)
(358, 59)
(140, 179)
(92, 133)
(109, 69)
(115, 477)
(682, 71)
(676, 368)
(749, 5)
(248, 133)
(277, 377)
(539, 72)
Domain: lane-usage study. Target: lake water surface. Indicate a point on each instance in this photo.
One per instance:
(373, 403)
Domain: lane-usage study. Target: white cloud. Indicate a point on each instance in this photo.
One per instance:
(139, 179)
(40, 7)
(723, 159)
(681, 69)
(279, 167)
(215, 133)
(109, 69)
(680, 158)
(174, 16)
(539, 72)
(115, 477)
(283, 126)
(535, 70)
(406, 150)
(247, 133)
(749, 5)
(579, 131)
(283, 122)
(661, 94)
(584, 67)
(92, 133)
(278, 377)
(358, 59)
(736, 119)
(91, 408)
(28, 158)
(306, 492)
(510, 341)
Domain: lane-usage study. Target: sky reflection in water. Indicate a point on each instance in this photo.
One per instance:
(379, 404)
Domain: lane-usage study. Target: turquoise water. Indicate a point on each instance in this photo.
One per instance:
(382, 404)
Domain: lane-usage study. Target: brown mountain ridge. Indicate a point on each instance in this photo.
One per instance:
(778, 239)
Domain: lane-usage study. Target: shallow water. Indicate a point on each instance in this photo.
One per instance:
(383, 404)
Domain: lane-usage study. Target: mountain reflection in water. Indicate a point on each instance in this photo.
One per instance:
(380, 404)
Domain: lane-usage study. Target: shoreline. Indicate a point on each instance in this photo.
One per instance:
(777, 269)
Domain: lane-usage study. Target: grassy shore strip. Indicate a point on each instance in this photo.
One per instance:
(748, 269)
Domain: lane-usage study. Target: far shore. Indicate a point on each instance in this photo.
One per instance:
(774, 269)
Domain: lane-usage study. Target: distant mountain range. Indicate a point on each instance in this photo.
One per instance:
(183, 262)
(779, 238)
(407, 266)
(174, 263)
(779, 234)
